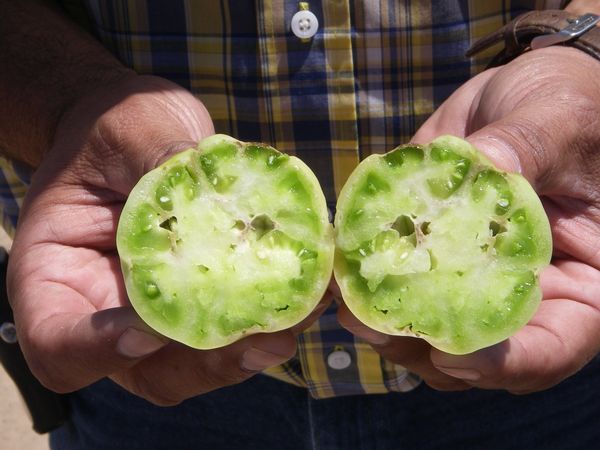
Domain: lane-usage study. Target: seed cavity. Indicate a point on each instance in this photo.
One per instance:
(202, 268)
(496, 228)
(163, 197)
(239, 225)
(152, 290)
(433, 260)
(293, 184)
(408, 326)
(394, 158)
(283, 308)
(191, 172)
(269, 155)
(275, 160)
(298, 284)
(519, 217)
(261, 225)
(425, 228)
(175, 175)
(410, 154)
(306, 253)
(355, 215)
(170, 224)
(375, 184)
(381, 310)
(403, 225)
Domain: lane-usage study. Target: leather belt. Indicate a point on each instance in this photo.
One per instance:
(537, 29)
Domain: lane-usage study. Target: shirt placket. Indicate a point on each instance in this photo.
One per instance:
(331, 360)
(337, 36)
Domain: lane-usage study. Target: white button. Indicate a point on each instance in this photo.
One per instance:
(305, 24)
(8, 333)
(339, 359)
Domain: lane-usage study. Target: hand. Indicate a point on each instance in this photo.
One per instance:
(74, 320)
(538, 115)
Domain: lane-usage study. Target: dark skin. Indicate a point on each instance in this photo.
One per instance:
(93, 128)
(91, 148)
(546, 126)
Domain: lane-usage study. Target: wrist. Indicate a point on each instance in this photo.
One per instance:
(540, 29)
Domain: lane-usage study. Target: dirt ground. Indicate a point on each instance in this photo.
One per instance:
(15, 425)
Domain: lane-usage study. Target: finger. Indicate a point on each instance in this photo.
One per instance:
(87, 223)
(115, 135)
(409, 352)
(74, 321)
(69, 351)
(452, 117)
(314, 315)
(516, 144)
(91, 281)
(546, 122)
(457, 115)
(335, 290)
(200, 371)
(357, 328)
(540, 355)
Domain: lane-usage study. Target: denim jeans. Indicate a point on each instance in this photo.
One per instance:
(263, 413)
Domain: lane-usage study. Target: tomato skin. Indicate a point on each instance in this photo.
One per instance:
(225, 240)
(433, 241)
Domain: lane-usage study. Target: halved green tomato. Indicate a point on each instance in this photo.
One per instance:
(434, 242)
(225, 240)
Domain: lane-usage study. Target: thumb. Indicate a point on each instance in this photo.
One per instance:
(115, 134)
(89, 346)
(521, 142)
(546, 147)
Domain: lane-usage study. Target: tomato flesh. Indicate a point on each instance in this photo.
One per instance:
(225, 240)
(434, 242)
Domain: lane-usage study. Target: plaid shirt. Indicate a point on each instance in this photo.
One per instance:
(372, 74)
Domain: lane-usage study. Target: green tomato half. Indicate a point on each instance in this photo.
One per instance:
(225, 240)
(434, 242)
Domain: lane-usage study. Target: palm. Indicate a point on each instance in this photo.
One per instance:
(545, 127)
(64, 263)
(571, 280)
(66, 238)
(69, 234)
(65, 280)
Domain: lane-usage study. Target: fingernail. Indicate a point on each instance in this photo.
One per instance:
(255, 359)
(463, 374)
(504, 155)
(135, 343)
(369, 335)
